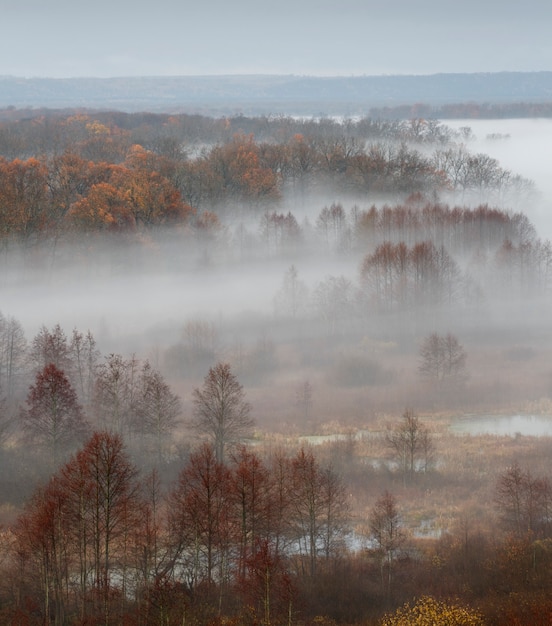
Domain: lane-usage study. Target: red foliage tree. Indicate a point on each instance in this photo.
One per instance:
(73, 538)
(54, 417)
(201, 516)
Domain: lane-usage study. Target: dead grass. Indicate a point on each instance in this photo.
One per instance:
(506, 375)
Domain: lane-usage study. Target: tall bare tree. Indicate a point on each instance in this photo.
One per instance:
(13, 354)
(251, 496)
(291, 299)
(387, 533)
(200, 511)
(318, 509)
(220, 409)
(116, 393)
(157, 407)
(85, 357)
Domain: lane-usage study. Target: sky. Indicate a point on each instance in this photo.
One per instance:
(108, 38)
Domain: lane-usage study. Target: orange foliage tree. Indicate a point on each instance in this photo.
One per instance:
(241, 172)
(104, 208)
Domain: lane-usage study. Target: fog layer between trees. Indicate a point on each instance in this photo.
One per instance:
(345, 274)
(306, 253)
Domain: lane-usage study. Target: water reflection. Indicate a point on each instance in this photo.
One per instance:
(511, 425)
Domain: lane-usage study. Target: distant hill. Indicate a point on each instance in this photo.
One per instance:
(253, 95)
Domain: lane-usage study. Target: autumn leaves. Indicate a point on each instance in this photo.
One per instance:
(64, 193)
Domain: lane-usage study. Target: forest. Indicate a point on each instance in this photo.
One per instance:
(233, 354)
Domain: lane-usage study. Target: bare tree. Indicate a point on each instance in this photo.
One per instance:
(292, 297)
(51, 346)
(196, 350)
(252, 504)
(443, 359)
(524, 502)
(411, 445)
(333, 300)
(116, 392)
(158, 407)
(387, 533)
(332, 224)
(200, 337)
(220, 409)
(384, 276)
(85, 357)
(336, 515)
(281, 233)
(308, 505)
(13, 354)
(200, 513)
(111, 489)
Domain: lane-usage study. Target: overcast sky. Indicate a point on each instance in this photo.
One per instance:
(68, 38)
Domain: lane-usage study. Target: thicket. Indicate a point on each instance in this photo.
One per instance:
(265, 538)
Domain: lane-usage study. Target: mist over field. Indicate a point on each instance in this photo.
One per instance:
(137, 297)
(523, 146)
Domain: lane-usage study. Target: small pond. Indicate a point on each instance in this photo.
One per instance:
(317, 440)
(510, 425)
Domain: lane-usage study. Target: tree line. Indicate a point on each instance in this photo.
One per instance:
(464, 110)
(93, 173)
(421, 258)
(70, 390)
(96, 542)
(28, 132)
(265, 537)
